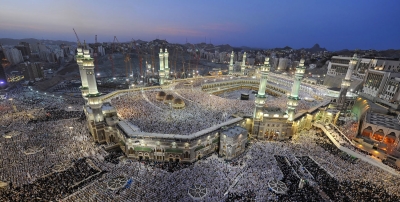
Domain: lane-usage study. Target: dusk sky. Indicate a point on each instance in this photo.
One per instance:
(335, 25)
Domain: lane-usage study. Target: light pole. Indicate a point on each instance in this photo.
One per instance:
(170, 111)
(133, 85)
(12, 104)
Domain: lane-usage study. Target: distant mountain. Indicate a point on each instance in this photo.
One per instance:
(315, 48)
(224, 48)
(284, 48)
(13, 42)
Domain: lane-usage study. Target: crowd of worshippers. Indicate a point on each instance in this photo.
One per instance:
(201, 111)
(30, 157)
(113, 157)
(168, 166)
(156, 183)
(245, 196)
(53, 186)
(391, 164)
(324, 142)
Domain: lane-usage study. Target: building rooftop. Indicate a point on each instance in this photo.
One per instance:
(234, 131)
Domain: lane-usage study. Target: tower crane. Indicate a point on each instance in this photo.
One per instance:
(95, 54)
(175, 58)
(140, 58)
(153, 59)
(112, 55)
(183, 65)
(77, 38)
(127, 60)
(197, 57)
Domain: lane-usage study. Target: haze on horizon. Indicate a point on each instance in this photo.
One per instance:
(334, 25)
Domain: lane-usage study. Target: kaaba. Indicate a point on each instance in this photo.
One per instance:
(244, 96)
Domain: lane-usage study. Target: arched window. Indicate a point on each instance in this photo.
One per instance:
(378, 135)
(187, 155)
(390, 139)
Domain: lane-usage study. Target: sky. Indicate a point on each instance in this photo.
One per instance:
(335, 25)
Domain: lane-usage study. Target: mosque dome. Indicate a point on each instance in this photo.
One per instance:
(178, 103)
(168, 99)
(160, 96)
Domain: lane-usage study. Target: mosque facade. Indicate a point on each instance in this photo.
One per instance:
(106, 127)
(266, 123)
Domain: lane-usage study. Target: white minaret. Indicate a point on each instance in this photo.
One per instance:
(260, 97)
(89, 69)
(231, 63)
(243, 63)
(294, 96)
(166, 68)
(93, 95)
(79, 60)
(341, 104)
(161, 72)
(260, 101)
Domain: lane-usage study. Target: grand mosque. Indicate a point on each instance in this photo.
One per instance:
(282, 106)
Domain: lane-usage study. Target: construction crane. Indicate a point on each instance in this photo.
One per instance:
(197, 57)
(174, 58)
(112, 55)
(183, 65)
(127, 61)
(139, 57)
(95, 54)
(153, 59)
(77, 38)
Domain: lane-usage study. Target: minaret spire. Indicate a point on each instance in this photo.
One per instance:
(79, 60)
(231, 63)
(161, 72)
(294, 95)
(166, 67)
(342, 104)
(260, 100)
(93, 101)
(243, 67)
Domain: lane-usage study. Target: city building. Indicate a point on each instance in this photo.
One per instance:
(32, 71)
(24, 48)
(382, 87)
(338, 65)
(284, 63)
(232, 142)
(13, 55)
(3, 77)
